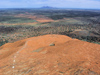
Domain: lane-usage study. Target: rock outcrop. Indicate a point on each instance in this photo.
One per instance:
(50, 55)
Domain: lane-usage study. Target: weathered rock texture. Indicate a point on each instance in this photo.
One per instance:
(50, 55)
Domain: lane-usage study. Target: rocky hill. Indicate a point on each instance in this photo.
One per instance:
(50, 55)
(48, 7)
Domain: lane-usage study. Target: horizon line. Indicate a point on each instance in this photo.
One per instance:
(48, 8)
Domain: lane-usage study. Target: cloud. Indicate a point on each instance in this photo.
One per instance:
(54, 3)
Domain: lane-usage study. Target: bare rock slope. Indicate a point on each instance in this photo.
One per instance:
(50, 55)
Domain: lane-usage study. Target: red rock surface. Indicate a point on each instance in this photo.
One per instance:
(50, 55)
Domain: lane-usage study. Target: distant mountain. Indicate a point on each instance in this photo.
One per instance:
(48, 7)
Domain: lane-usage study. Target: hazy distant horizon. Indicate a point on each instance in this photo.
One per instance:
(74, 4)
(56, 8)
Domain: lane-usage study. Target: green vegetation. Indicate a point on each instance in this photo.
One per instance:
(11, 19)
(2, 42)
(68, 21)
(80, 24)
(19, 21)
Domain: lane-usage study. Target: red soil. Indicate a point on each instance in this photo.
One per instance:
(39, 18)
(35, 56)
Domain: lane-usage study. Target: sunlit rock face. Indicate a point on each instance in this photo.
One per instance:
(50, 55)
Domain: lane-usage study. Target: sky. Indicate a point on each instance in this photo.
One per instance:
(89, 4)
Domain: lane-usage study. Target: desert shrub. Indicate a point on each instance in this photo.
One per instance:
(2, 42)
(52, 44)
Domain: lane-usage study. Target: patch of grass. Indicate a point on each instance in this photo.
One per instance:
(38, 50)
(19, 20)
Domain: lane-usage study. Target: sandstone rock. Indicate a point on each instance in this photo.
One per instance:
(34, 56)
